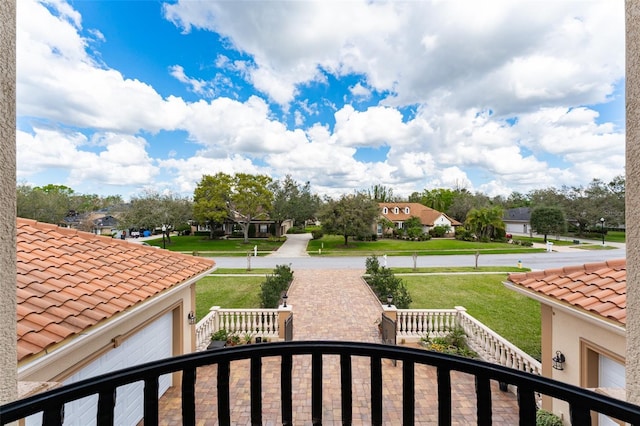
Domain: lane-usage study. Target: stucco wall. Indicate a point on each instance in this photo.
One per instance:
(8, 382)
(68, 359)
(633, 197)
(568, 331)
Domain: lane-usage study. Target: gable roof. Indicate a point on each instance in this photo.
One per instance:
(69, 280)
(519, 214)
(427, 215)
(597, 288)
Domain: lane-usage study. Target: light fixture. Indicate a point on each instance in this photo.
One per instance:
(191, 317)
(389, 299)
(602, 223)
(558, 361)
(284, 300)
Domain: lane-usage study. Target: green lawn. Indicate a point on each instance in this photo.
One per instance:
(333, 245)
(229, 247)
(510, 314)
(541, 240)
(513, 316)
(615, 236)
(449, 269)
(227, 292)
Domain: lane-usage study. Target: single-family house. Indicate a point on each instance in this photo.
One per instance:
(583, 317)
(89, 304)
(518, 221)
(398, 213)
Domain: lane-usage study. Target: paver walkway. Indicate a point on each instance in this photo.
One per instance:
(335, 305)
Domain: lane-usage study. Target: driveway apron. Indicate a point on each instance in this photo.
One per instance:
(335, 305)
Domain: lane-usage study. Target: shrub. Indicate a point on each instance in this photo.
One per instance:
(438, 231)
(316, 234)
(383, 283)
(464, 234)
(272, 289)
(547, 418)
(454, 343)
(221, 334)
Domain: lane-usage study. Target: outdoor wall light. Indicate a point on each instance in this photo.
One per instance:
(558, 361)
(191, 317)
(389, 300)
(284, 300)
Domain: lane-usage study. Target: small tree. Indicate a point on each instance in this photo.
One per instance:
(413, 227)
(548, 220)
(352, 215)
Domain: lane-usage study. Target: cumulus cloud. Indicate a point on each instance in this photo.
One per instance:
(499, 97)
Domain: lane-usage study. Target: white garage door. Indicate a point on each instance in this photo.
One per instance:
(149, 344)
(611, 374)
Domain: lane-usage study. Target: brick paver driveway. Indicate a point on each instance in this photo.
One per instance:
(335, 305)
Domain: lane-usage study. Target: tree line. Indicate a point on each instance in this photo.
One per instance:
(244, 198)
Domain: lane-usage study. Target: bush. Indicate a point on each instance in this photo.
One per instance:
(272, 289)
(438, 231)
(316, 234)
(547, 418)
(454, 343)
(464, 234)
(383, 283)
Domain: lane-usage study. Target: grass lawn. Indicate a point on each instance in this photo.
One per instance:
(333, 245)
(615, 236)
(229, 247)
(512, 315)
(541, 240)
(449, 269)
(227, 292)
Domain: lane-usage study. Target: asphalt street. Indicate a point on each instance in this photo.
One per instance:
(535, 261)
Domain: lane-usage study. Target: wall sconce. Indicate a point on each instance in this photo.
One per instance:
(389, 300)
(191, 318)
(558, 361)
(284, 300)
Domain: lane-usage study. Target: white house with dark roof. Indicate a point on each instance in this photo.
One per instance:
(518, 221)
(88, 305)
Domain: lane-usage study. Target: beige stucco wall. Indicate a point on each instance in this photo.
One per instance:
(8, 382)
(71, 357)
(633, 197)
(567, 335)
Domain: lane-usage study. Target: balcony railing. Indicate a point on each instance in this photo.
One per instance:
(414, 324)
(581, 401)
(261, 323)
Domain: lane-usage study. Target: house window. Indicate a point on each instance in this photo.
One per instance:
(264, 228)
(385, 210)
(396, 210)
(406, 210)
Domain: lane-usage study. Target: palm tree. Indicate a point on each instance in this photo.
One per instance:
(485, 222)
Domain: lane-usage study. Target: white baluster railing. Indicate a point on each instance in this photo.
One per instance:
(414, 324)
(255, 322)
(418, 323)
(494, 348)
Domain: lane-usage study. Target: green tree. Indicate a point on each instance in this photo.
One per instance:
(464, 201)
(211, 200)
(548, 220)
(439, 199)
(49, 203)
(381, 193)
(152, 210)
(250, 199)
(293, 201)
(413, 227)
(352, 215)
(485, 222)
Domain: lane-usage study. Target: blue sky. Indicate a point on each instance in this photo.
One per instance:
(122, 97)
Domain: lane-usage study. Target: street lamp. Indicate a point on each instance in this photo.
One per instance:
(164, 229)
(602, 223)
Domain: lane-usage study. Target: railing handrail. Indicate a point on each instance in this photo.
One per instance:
(513, 348)
(581, 400)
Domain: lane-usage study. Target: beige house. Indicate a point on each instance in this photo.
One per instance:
(583, 313)
(398, 213)
(88, 305)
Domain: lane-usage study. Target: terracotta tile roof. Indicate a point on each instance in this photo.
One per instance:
(599, 288)
(70, 280)
(427, 215)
